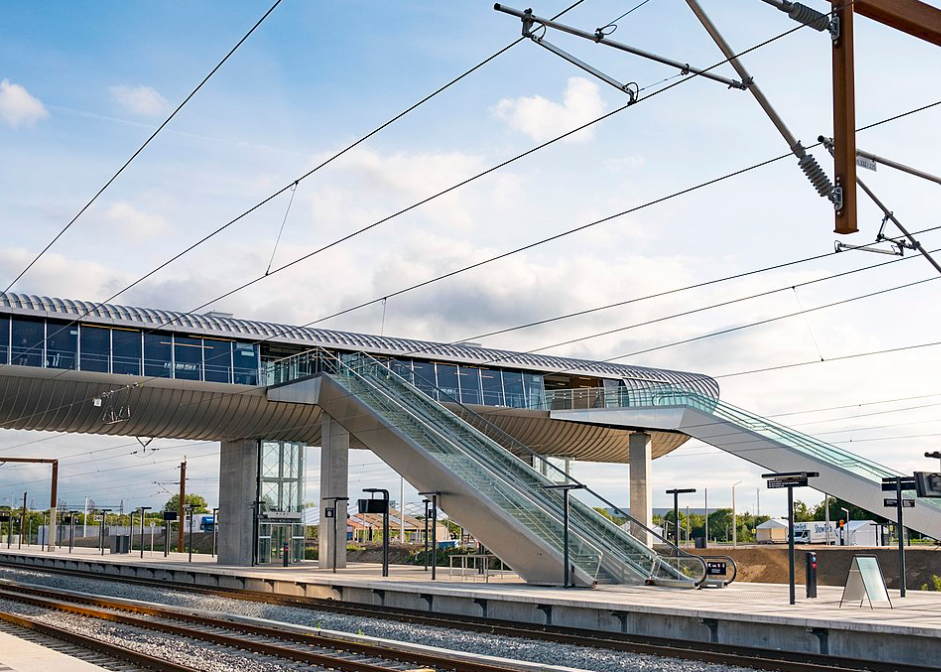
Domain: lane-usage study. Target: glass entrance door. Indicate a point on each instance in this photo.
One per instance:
(272, 537)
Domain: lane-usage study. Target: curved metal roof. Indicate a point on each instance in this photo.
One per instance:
(215, 324)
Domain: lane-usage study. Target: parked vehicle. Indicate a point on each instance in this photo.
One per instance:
(815, 532)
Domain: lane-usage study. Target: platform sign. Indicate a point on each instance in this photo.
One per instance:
(717, 568)
(888, 484)
(4, 517)
(169, 515)
(785, 483)
(329, 512)
(98, 519)
(865, 581)
(894, 502)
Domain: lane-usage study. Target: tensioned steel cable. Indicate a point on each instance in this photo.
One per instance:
(293, 329)
(143, 146)
(426, 200)
(294, 183)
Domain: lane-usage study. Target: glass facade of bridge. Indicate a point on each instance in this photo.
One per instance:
(89, 347)
(86, 347)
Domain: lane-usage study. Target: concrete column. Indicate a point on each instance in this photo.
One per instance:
(641, 485)
(334, 482)
(238, 492)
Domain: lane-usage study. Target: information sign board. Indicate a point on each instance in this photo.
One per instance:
(888, 484)
(329, 512)
(4, 517)
(773, 484)
(716, 568)
(865, 581)
(894, 502)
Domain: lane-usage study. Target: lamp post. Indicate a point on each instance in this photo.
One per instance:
(101, 529)
(434, 531)
(385, 524)
(143, 516)
(565, 488)
(676, 511)
(935, 454)
(734, 518)
(336, 517)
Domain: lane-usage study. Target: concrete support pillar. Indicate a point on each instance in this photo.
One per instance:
(238, 492)
(334, 482)
(641, 485)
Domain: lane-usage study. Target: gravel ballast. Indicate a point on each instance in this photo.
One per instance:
(546, 653)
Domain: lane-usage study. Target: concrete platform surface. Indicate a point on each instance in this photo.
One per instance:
(20, 655)
(746, 613)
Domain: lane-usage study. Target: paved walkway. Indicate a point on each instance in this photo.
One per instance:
(919, 613)
(20, 655)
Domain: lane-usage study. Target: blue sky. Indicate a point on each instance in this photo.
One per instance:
(318, 75)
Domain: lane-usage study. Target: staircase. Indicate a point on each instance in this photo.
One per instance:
(492, 493)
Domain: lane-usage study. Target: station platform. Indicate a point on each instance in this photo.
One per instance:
(20, 655)
(749, 614)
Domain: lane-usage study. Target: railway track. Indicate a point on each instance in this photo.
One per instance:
(315, 650)
(727, 654)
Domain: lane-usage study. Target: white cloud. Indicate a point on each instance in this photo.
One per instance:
(135, 225)
(543, 119)
(141, 100)
(18, 106)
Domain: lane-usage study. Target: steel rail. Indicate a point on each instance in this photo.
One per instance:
(91, 644)
(95, 606)
(730, 654)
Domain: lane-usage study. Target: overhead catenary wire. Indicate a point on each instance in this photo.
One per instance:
(872, 125)
(428, 199)
(142, 147)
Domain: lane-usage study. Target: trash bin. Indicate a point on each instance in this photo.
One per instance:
(700, 542)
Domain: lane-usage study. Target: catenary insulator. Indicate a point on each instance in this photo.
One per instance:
(815, 174)
(808, 16)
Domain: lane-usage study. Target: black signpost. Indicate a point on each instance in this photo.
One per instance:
(897, 484)
(168, 517)
(790, 480)
(373, 505)
(333, 512)
(676, 511)
(431, 516)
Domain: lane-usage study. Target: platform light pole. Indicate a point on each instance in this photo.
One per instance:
(385, 523)
(734, 518)
(434, 531)
(897, 484)
(676, 511)
(790, 480)
(189, 516)
(565, 488)
(935, 455)
(336, 518)
(143, 516)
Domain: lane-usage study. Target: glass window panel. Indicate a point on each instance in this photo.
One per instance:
(126, 353)
(492, 387)
(61, 345)
(187, 358)
(27, 343)
(246, 364)
(158, 355)
(447, 379)
(470, 384)
(96, 345)
(218, 360)
(424, 377)
(404, 369)
(4, 339)
(535, 390)
(513, 387)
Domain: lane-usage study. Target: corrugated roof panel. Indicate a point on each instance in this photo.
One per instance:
(385, 345)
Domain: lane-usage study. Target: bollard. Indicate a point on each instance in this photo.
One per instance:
(811, 573)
